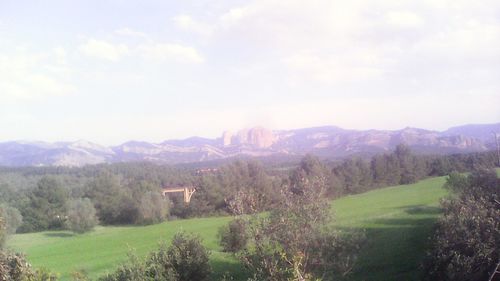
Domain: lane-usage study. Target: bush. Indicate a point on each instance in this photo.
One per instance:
(233, 236)
(14, 267)
(13, 218)
(189, 258)
(185, 260)
(466, 244)
(153, 208)
(132, 270)
(295, 243)
(81, 215)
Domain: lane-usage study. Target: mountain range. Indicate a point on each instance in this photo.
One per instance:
(327, 142)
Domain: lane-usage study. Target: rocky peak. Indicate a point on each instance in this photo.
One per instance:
(257, 136)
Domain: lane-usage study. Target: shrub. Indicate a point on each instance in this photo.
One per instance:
(294, 242)
(466, 244)
(132, 270)
(233, 236)
(14, 267)
(189, 258)
(81, 215)
(185, 260)
(153, 208)
(13, 218)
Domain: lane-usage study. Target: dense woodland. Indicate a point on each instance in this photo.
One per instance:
(41, 198)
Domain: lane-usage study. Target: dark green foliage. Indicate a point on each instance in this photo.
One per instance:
(119, 191)
(13, 218)
(215, 190)
(111, 201)
(81, 215)
(457, 182)
(441, 166)
(467, 239)
(355, 175)
(189, 258)
(153, 208)
(312, 173)
(45, 206)
(295, 242)
(185, 260)
(233, 237)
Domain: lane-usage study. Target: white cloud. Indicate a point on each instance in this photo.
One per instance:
(235, 14)
(352, 65)
(130, 32)
(28, 76)
(104, 50)
(187, 23)
(404, 19)
(334, 41)
(170, 52)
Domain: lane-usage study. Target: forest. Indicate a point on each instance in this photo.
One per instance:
(42, 198)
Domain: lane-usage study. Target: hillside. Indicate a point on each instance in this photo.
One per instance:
(327, 142)
(397, 219)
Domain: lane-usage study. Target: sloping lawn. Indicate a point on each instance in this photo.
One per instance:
(397, 220)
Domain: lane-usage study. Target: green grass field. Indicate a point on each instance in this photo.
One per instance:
(397, 221)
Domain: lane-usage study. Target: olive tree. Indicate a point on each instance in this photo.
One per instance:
(13, 218)
(154, 208)
(81, 215)
(296, 240)
(466, 244)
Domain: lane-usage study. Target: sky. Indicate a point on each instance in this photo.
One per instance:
(110, 71)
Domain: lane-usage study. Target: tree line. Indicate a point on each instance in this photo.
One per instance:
(37, 199)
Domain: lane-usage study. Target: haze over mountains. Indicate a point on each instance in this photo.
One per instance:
(328, 142)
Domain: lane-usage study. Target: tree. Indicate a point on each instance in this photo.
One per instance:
(81, 216)
(296, 242)
(153, 208)
(113, 203)
(406, 163)
(311, 173)
(3, 229)
(355, 175)
(233, 237)
(467, 239)
(46, 208)
(13, 218)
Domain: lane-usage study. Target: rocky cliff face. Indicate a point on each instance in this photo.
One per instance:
(329, 142)
(257, 137)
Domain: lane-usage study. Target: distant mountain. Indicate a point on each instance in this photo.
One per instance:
(57, 154)
(328, 142)
(482, 132)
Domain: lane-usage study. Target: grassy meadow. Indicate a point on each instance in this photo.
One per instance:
(397, 221)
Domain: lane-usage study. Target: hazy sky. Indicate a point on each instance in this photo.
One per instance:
(110, 71)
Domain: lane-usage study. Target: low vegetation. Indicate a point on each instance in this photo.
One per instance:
(466, 244)
(186, 259)
(397, 221)
(81, 215)
(127, 193)
(297, 241)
